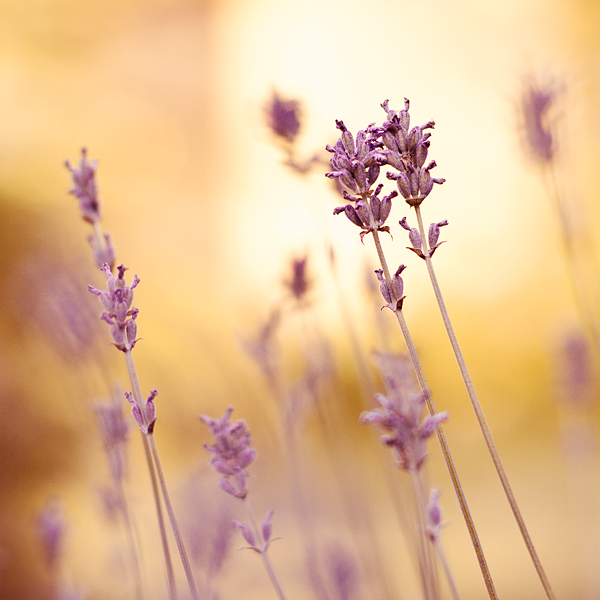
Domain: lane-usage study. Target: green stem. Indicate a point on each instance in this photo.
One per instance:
(479, 413)
(418, 368)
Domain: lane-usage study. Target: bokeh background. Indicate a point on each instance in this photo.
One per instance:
(170, 97)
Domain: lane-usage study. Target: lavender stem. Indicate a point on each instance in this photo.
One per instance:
(479, 413)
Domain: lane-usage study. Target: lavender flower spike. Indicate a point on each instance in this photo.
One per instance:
(266, 530)
(119, 313)
(145, 416)
(84, 188)
(406, 435)
(232, 454)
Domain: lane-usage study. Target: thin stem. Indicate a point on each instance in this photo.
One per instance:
(157, 473)
(174, 525)
(427, 565)
(479, 414)
(265, 556)
(412, 351)
(447, 571)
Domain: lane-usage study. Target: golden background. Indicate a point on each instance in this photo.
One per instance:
(169, 96)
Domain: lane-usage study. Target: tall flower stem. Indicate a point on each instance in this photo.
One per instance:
(479, 413)
(151, 443)
(418, 368)
(264, 553)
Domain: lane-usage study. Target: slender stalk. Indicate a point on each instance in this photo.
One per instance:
(264, 554)
(479, 413)
(174, 525)
(439, 431)
(447, 571)
(155, 457)
(427, 565)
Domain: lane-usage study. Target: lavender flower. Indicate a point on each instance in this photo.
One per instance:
(406, 150)
(283, 117)
(51, 529)
(394, 298)
(232, 454)
(433, 511)
(407, 434)
(369, 214)
(266, 531)
(114, 431)
(119, 314)
(356, 164)
(299, 284)
(536, 102)
(84, 188)
(432, 237)
(145, 416)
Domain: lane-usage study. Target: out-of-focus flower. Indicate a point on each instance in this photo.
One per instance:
(51, 529)
(231, 452)
(299, 284)
(84, 188)
(433, 510)
(114, 431)
(537, 100)
(283, 117)
(266, 531)
(119, 314)
(406, 433)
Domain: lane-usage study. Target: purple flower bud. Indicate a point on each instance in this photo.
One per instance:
(246, 532)
(415, 239)
(84, 188)
(283, 117)
(227, 487)
(267, 526)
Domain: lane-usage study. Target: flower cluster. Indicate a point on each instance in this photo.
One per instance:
(283, 117)
(406, 150)
(432, 237)
(232, 453)
(393, 297)
(84, 188)
(368, 214)
(266, 531)
(119, 313)
(407, 433)
(145, 416)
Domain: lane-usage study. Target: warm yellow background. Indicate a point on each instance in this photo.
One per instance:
(168, 96)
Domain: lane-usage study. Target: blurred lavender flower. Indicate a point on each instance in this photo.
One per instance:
(119, 314)
(51, 529)
(266, 531)
(84, 187)
(343, 573)
(283, 117)
(407, 433)
(299, 284)
(433, 511)
(232, 453)
(406, 150)
(114, 431)
(537, 100)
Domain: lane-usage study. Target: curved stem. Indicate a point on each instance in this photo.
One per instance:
(418, 368)
(479, 413)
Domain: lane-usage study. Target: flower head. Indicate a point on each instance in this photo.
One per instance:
(84, 188)
(406, 150)
(117, 299)
(231, 452)
(537, 101)
(406, 431)
(356, 164)
(283, 117)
